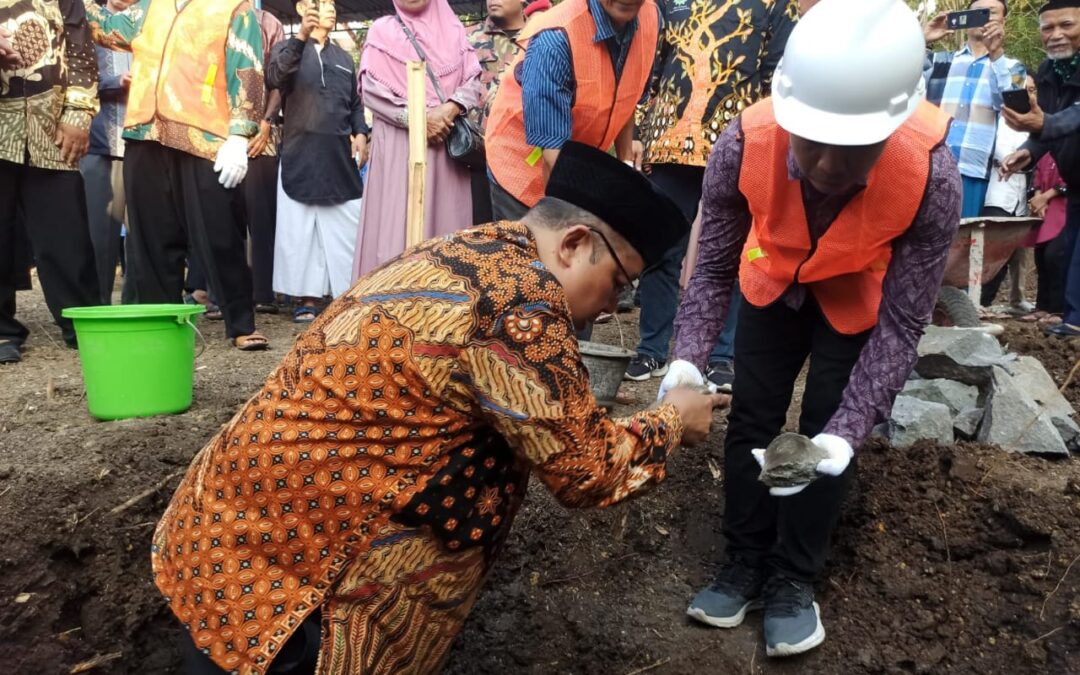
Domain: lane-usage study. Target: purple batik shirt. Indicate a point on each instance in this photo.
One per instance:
(908, 292)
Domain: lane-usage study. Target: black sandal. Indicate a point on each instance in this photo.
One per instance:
(301, 314)
(10, 352)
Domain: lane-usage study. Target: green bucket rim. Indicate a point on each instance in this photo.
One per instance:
(176, 311)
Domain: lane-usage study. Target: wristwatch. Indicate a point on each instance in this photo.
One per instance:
(1062, 190)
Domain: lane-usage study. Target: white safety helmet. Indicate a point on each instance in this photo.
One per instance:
(851, 72)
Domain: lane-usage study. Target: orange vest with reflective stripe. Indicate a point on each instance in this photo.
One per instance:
(844, 270)
(178, 69)
(601, 106)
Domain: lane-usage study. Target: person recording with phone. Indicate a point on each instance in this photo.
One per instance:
(1053, 120)
(968, 84)
(319, 187)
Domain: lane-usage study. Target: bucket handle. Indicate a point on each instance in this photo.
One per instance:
(202, 338)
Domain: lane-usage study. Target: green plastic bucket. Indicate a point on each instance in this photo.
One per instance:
(137, 360)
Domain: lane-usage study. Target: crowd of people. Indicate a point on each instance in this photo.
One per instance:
(236, 181)
(345, 519)
(297, 229)
(969, 85)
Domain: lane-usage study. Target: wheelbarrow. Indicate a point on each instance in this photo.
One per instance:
(980, 249)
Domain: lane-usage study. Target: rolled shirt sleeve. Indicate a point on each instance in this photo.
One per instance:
(283, 64)
(547, 90)
(244, 69)
(80, 60)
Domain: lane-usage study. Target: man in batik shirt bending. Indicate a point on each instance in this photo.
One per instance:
(369, 484)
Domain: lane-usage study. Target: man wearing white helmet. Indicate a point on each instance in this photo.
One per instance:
(834, 202)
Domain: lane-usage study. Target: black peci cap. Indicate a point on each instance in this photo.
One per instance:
(1059, 4)
(622, 197)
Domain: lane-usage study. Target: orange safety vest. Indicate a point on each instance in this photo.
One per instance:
(845, 269)
(601, 106)
(178, 69)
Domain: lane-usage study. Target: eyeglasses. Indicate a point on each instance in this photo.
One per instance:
(621, 288)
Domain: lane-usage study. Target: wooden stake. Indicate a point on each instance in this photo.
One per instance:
(1068, 380)
(96, 662)
(651, 666)
(417, 108)
(146, 493)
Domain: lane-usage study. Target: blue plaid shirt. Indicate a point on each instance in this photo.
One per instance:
(969, 89)
(547, 77)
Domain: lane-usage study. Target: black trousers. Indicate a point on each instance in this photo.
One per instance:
(51, 205)
(789, 535)
(260, 200)
(505, 206)
(658, 287)
(1051, 258)
(173, 198)
(196, 276)
(298, 656)
(481, 196)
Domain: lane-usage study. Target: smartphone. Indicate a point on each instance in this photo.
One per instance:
(969, 18)
(1016, 99)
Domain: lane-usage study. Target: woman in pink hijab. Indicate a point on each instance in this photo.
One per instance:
(447, 201)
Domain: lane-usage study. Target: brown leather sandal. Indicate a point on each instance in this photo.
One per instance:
(256, 342)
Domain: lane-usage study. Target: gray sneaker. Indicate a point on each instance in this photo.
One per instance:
(721, 375)
(792, 618)
(642, 367)
(725, 602)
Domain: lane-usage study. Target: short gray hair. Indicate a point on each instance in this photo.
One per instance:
(557, 214)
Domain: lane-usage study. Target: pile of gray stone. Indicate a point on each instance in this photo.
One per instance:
(967, 387)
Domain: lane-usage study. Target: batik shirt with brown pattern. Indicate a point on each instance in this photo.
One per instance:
(57, 83)
(423, 397)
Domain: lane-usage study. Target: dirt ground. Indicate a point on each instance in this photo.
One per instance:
(947, 559)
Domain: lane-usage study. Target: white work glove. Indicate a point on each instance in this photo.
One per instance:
(232, 161)
(680, 374)
(840, 454)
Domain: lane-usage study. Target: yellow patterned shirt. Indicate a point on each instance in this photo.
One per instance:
(243, 69)
(421, 399)
(715, 59)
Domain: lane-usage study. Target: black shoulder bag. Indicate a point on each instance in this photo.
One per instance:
(465, 142)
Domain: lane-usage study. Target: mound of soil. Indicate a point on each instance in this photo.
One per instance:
(947, 559)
